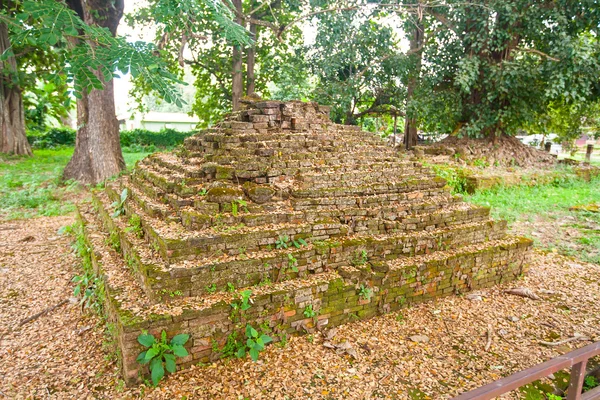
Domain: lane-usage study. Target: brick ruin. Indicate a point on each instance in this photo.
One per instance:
(303, 212)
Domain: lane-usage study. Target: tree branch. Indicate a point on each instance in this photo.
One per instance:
(539, 53)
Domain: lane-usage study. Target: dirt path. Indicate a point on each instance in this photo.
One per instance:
(60, 355)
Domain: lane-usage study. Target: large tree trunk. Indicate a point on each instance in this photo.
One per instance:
(416, 51)
(237, 83)
(250, 62)
(13, 139)
(98, 154)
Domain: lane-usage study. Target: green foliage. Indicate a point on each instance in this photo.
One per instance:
(498, 66)
(550, 204)
(255, 343)
(243, 302)
(211, 64)
(164, 139)
(292, 262)
(51, 138)
(135, 226)
(590, 382)
(212, 288)
(357, 63)
(284, 241)
(161, 355)
(90, 288)
(359, 258)
(309, 312)
(119, 205)
(365, 292)
(455, 177)
(236, 204)
(81, 49)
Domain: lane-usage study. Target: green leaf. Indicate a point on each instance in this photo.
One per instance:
(250, 343)
(251, 332)
(266, 339)
(180, 339)
(179, 351)
(170, 364)
(146, 340)
(241, 352)
(124, 195)
(254, 354)
(141, 358)
(156, 371)
(163, 337)
(151, 353)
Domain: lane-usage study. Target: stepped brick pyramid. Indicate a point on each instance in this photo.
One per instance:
(279, 201)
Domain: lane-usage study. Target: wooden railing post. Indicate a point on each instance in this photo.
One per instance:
(576, 382)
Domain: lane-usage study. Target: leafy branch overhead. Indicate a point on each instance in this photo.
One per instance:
(84, 49)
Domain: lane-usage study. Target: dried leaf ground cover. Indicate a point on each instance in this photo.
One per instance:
(61, 354)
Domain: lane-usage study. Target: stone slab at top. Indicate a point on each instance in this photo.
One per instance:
(281, 114)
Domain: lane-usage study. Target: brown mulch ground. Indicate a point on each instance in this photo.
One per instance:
(60, 355)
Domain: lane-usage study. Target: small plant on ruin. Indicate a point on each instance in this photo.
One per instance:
(299, 243)
(203, 192)
(114, 241)
(309, 312)
(359, 258)
(243, 303)
(135, 226)
(91, 289)
(292, 263)
(161, 355)
(236, 205)
(255, 343)
(230, 287)
(265, 282)
(119, 205)
(365, 293)
(283, 242)
(211, 288)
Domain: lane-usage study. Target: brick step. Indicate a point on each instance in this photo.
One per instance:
(174, 242)
(400, 186)
(280, 307)
(393, 217)
(445, 272)
(332, 181)
(141, 193)
(411, 199)
(209, 137)
(316, 152)
(198, 276)
(284, 145)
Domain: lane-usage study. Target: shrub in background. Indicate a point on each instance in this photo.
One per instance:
(54, 137)
(135, 140)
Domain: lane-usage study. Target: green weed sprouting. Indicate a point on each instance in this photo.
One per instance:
(255, 343)
(161, 355)
(119, 205)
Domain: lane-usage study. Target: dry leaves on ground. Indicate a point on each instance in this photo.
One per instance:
(60, 354)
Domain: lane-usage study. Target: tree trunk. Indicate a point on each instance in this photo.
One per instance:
(410, 122)
(98, 154)
(250, 62)
(13, 139)
(237, 84)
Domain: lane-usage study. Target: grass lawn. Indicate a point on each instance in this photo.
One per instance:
(543, 213)
(32, 186)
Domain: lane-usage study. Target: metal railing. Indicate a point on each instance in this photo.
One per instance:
(576, 359)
